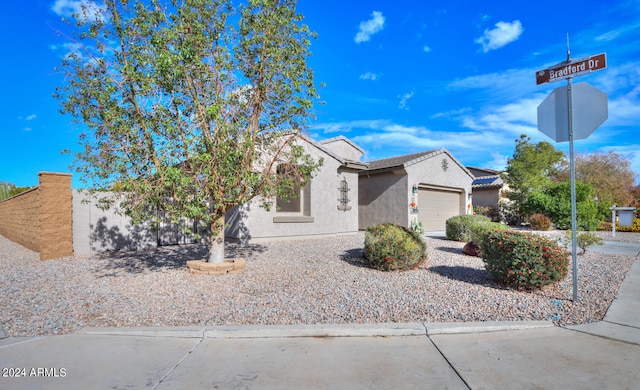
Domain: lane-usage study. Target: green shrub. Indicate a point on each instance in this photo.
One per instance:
(389, 247)
(584, 241)
(470, 227)
(523, 260)
(539, 222)
(458, 227)
(555, 202)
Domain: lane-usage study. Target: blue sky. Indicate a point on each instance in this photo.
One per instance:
(401, 77)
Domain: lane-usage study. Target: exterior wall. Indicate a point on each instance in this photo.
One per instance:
(343, 148)
(252, 222)
(20, 219)
(486, 198)
(40, 219)
(97, 230)
(383, 198)
(430, 173)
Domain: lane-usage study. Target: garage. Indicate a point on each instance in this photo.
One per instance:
(436, 205)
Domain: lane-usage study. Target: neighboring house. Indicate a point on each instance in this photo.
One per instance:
(428, 187)
(326, 206)
(488, 187)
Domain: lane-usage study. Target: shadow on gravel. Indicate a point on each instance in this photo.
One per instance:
(465, 274)
(450, 250)
(165, 258)
(354, 257)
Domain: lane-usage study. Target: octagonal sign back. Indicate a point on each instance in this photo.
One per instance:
(590, 110)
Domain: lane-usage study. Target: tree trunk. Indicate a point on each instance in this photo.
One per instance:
(216, 247)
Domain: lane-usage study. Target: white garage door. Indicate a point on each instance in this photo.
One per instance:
(435, 206)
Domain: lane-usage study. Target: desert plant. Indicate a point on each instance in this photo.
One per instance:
(390, 247)
(417, 227)
(584, 240)
(539, 222)
(458, 227)
(523, 260)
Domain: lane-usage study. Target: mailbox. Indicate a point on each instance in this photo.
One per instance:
(625, 215)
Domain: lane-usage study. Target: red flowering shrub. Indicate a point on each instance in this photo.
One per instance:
(523, 260)
(389, 247)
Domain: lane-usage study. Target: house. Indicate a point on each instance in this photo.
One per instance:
(326, 206)
(346, 195)
(428, 187)
(488, 187)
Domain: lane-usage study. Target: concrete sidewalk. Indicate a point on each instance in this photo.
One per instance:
(489, 355)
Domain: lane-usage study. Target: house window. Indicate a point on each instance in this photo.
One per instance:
(290, 201)
(293, 205)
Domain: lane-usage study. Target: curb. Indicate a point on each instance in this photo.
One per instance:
(483, 327)
(325, 330)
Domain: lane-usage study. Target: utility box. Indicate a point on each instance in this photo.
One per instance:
(625, 215)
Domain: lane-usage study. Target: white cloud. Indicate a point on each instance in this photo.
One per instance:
(404, 100)
(503, 34)
(370, 27)
(27, 129)
(369, 76)
(31, 117)
(426, 49)
(85, 10)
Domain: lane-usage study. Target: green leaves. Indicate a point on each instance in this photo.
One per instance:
(185, 104)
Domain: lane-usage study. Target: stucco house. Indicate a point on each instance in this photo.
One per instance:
(346, 195)
(326, 206)
(428, 187)
(488, 187)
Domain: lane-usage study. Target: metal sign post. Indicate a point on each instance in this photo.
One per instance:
(592, 106)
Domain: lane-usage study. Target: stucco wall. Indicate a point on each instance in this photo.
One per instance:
(486, 198)
(383, 198)
(97, 230)
(41, 219)
(252, 222)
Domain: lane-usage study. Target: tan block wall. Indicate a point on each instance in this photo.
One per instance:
(41, 219)
(20, 219)
(56, 215)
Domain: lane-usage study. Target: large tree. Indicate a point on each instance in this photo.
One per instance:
(609, 173)
(531, 169)
(188, 106)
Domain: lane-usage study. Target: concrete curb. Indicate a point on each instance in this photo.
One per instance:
(443, 328)
(325, 330)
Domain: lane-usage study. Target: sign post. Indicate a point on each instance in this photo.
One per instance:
(593, 106)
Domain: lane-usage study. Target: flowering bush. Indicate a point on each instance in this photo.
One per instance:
(523, 260)
(635, 228)
(389, 247)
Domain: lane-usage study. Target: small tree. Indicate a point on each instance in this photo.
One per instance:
(188, 105)
(530, 170)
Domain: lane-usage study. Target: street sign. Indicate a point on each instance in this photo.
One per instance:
(563, 111)
(572, 68)
(590, 110)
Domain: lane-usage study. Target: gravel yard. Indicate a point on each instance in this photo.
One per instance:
(310, 281)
